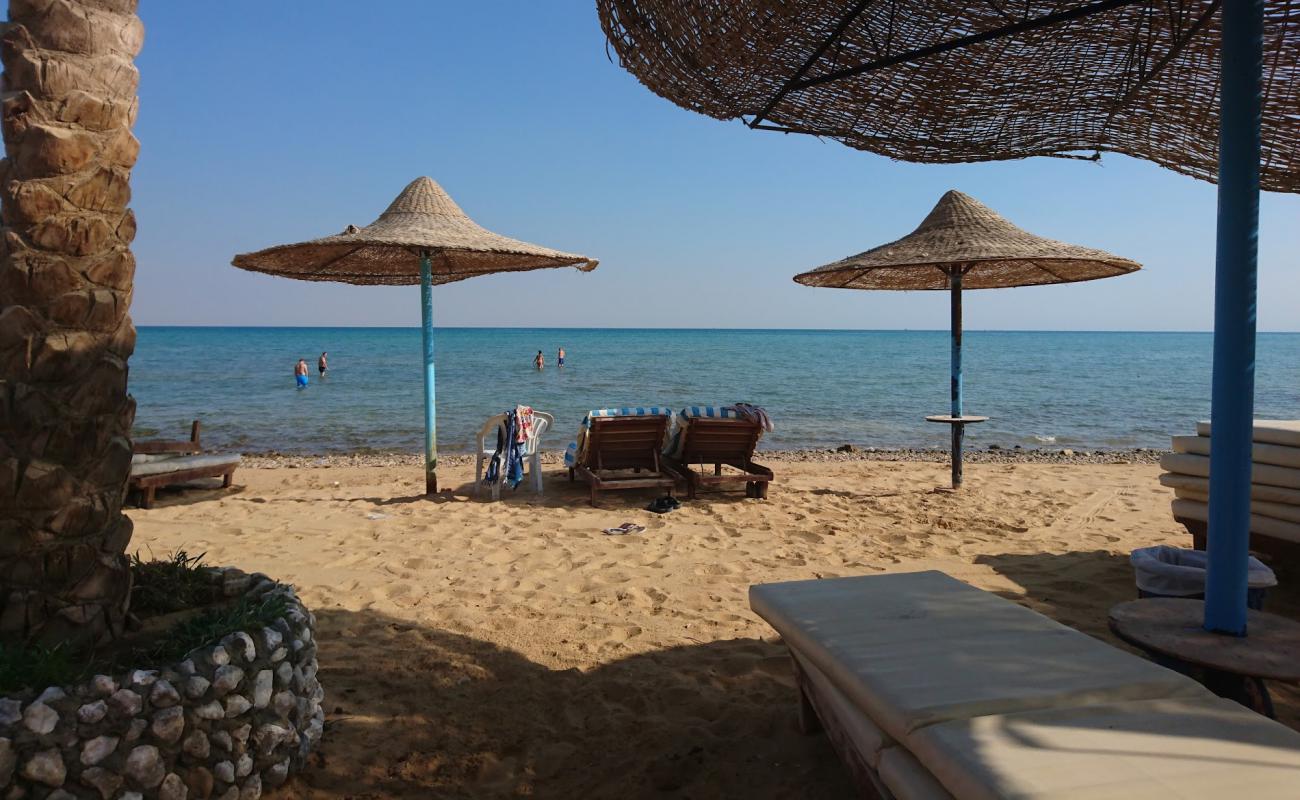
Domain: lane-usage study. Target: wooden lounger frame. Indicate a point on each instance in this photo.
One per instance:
(623, 443)
(146, 485)
(816, 716)
(1268, 545)
(718, 442)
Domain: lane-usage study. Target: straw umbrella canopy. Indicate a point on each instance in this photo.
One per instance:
(964, 244)
(423, 237)
(1204, 87)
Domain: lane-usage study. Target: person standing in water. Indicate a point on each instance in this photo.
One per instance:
(322, 364)
(300, 373)
(539, 360)
(559, 357)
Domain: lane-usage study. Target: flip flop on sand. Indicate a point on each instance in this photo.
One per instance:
(626, 527)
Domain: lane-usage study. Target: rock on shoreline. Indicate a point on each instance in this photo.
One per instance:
(273, 460)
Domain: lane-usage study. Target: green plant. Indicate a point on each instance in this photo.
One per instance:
(36, 667)
(209, 626)
(175, 583)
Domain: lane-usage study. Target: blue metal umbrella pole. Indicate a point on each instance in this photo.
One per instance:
(958, 429)
(430, 426)
(1233, 393)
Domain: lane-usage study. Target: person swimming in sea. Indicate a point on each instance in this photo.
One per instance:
(559, 357)
(300, 373)
(322, 364)
(539, 360)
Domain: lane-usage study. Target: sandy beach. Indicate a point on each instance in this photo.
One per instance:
(479, 649)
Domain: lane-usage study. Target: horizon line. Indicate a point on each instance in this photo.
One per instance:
(677, 328)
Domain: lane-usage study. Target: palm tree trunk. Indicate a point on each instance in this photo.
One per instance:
(65, 285)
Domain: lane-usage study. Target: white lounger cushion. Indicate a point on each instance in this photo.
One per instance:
(906, 779)
(1189, 464)
(1275, 454)
(916, 649)
(868, 739)
(1282, 511)
(1188, 749)
(1270, 431)
(1258, 491)
(142, 464)
(1276, 528)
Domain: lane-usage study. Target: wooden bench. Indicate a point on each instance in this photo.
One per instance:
(929, 688)
(721, 442)
(621, 444)
(169, 462)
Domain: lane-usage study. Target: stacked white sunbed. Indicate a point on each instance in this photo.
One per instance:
(1275, 478)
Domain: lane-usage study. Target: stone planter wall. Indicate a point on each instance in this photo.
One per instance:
(227, 722)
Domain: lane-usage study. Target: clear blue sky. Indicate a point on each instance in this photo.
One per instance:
(265, 123)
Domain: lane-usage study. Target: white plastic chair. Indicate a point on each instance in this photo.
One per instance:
(532, 450)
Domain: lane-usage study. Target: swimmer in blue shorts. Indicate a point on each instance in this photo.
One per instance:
(559, 357)
(300, 373)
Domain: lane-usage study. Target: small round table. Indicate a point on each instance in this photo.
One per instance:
(1231, 666)
(958, 434)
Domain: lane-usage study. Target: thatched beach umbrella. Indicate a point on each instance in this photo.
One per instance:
(964, 244)
(423, 237)
(1183, 83)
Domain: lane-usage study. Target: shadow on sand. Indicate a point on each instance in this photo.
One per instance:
(419, 712)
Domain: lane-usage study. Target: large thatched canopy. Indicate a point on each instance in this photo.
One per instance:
(963, 233)
(422, 220)
(949, 81)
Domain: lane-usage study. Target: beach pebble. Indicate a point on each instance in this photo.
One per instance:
(227, 679)
(173, 788)
(252, 788)
(51, 695)
(244, 765)
(169, 724)
(236, 704)
(136, 730)
(11, 711)
(196, 687)
(210, 710)
(276, 774)
(262, 686)
(144, 677)
(40, 718)
(46, 767)
(279, 655)
(125, 702)
(222, 740)
(145, 767)
(91, 713)
(8, 760)
(164, 695)
(224, 771)
(97, 749)
(271, 638)
(197, 744)
(241, 644)
(219, 657)
(106, 782)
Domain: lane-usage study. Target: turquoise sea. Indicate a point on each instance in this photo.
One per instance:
(822, 388)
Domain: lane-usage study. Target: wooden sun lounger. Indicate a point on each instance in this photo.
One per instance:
(620, 444)
(187, 469)
(929, 688)
(1273, 546)
(720, 442)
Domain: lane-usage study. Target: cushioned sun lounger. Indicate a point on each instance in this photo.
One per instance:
(615, 442)
(716, 436)
(158, 463)
(930, 688)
